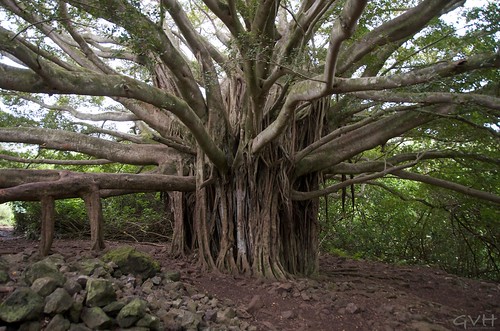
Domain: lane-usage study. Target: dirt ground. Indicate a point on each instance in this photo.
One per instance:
(346, 295)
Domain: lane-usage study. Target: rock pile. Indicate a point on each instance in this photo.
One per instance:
(123, 290)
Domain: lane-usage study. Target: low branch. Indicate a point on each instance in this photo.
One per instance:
(66, 184)
(448, 185)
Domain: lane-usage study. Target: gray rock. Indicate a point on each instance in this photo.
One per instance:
(30, 326)
(100, 292)
(72, 286)
(131, 313)
(44, 268)
(226, 315)
(149, 321)
(44, 285)
(75, 311)
(351, 308)
(79, 327)
(58, 323)
(114, 308)
(88, 266)
(129, 260)
(58, 302)
(288, 314)
(255, 304)
(173, 276)
(22, 304)
(96, 318)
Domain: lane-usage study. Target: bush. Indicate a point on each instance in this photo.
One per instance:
(140, 217)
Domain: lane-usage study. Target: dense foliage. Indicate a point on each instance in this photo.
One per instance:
(133, 217)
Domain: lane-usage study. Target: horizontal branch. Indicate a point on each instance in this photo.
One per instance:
(431, 97)
(66, 184)
(51, 161)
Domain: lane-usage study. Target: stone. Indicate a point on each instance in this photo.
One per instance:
(226, 315)
(114, 308)
(95, 318)
(288, 314)
(129, 260)
(351, 308)
(210, 315)
(22, 304)
(149, 321)
(173, 276)
(44, 268)
(72, 286)
(58, 323)
(88, 266)
(75, 311)
(79, 327)
(44, 286)
(131, 313)
(58, 302)
(255, 304)
(30, 326)
(100, 292)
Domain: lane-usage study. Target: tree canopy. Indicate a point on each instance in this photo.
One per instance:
(246, 111)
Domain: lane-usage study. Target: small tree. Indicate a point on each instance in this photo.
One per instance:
(246, 106)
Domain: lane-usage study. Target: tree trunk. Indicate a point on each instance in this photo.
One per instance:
(94, 211)
(246, 223)
(47, 229)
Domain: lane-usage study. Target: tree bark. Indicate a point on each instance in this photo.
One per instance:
(47, 228)
(94, 211)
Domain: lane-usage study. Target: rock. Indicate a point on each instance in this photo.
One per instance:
(76, 310)
(88, 266)
(95, 318)
(114, 308)
(149, 321)
(288, 314)
(44, 286)
(210, 315)
(129, 260)
(4, 272)
(173, 276)
(351, 308)
(23, 304)
(226, 315)
(30, 326)
(44, 268)
(58, 323)
(72, 286)
(100, 292)
(255, 304)
(79, 327)
(189, 320)
(58, 302)
(131, 313)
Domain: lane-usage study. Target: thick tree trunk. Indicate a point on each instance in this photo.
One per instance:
(246, 223)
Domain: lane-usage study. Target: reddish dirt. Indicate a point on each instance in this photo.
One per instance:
(346, 295)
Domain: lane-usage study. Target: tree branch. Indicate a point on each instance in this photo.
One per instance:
(66, 184)
(342, 30)
(448, 185)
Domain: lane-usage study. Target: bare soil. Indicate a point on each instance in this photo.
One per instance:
(345, 295)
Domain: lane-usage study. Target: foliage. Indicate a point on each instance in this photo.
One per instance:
(138, 217)
(457, 234)
(6, 215)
